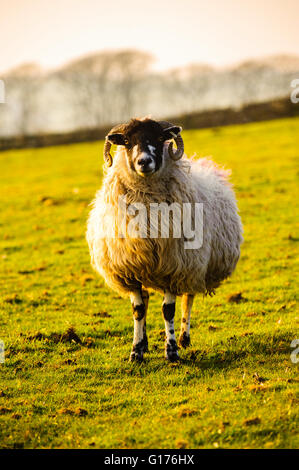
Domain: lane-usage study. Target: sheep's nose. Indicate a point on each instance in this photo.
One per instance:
(144, 161)
(145, 164)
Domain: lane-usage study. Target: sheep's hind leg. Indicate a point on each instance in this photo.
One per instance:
(187, 302)
(168, 309)
(145, 298)
(139, 301)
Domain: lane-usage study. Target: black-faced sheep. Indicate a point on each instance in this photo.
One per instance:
(148, 177)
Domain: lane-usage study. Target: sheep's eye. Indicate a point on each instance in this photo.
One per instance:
(126, 141)
(160, 139)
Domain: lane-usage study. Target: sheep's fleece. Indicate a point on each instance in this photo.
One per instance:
(163, 263)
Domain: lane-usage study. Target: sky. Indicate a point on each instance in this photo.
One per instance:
(176, 32)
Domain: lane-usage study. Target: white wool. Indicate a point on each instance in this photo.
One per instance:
(164, 263)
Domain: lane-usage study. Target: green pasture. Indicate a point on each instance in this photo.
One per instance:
(66, 380)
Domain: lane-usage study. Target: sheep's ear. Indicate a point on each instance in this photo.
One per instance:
(116, 139)
(171, 132)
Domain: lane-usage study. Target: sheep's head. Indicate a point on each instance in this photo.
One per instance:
(143, 141)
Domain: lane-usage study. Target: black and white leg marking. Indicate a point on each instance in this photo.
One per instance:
(168, 309)
(139, 303)
(145, 298)
(187, 302)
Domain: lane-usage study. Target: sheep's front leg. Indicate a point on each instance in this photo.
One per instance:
(187, 302)
(168, 309)
(139, 301)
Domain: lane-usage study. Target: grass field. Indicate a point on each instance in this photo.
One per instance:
(66, 380)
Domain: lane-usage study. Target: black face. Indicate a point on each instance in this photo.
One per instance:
(144, 141)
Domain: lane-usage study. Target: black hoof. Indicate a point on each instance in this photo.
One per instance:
(172, 356)
(136, 357)
(171, 351)
(184, 340)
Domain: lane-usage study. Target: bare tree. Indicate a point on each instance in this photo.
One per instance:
(105, 86)
(21, 87)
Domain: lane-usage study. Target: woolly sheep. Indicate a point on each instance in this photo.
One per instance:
(145, 173)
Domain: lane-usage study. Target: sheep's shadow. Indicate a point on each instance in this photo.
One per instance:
(225, 354)
(235, 349)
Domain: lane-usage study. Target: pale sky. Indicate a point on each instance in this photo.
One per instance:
(176, 32)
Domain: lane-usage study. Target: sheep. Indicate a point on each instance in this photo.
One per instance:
(148, 172)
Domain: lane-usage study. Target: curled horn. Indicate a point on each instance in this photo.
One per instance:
(107, 145)
(107, 155)
(179, 152)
